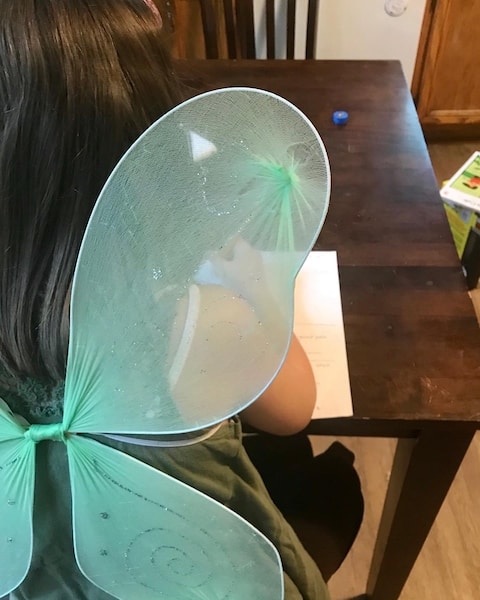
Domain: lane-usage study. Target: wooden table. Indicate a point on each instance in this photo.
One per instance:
(413, 342)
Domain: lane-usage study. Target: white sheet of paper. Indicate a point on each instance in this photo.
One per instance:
(318, 323)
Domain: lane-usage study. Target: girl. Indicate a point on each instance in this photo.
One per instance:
(80, 80)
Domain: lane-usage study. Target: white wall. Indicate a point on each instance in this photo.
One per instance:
(353, 29)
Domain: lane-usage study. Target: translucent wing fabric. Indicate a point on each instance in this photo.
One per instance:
(178, 543)
(181, 315)
(17, 457)
(182, 302)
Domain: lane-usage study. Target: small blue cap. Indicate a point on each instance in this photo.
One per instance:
(340, 117)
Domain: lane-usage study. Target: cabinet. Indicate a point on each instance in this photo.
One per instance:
(446, 82)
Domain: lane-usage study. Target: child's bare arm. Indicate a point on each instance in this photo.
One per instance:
(287, 405)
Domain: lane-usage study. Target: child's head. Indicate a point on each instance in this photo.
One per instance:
(79, 81)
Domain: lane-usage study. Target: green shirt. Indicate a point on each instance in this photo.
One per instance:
(218, 466)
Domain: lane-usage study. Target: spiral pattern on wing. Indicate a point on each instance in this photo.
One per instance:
(161, 559)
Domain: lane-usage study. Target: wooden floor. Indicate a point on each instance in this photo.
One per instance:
(448, 567)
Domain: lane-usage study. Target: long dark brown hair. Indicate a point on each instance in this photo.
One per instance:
(79, 81)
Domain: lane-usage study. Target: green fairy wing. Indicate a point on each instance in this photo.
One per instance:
(142, 534)
(17, 461)
(173, 265)
(176, 324)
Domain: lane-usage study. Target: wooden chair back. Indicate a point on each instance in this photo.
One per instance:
(229, 30)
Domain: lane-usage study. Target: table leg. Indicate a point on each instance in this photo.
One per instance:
(422, 472)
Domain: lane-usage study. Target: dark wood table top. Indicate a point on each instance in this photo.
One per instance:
(413, 342)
